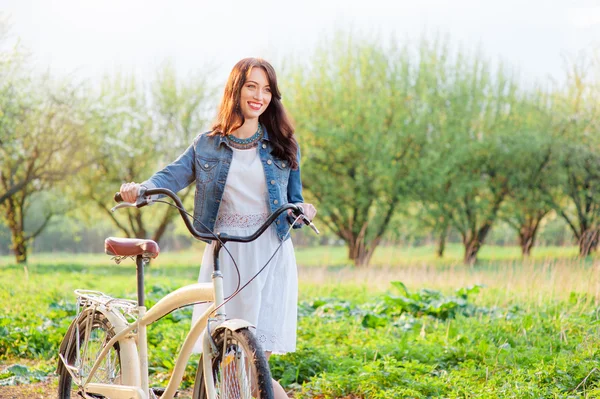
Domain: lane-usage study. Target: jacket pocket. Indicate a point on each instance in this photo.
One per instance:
(282, 172)
(206, 169)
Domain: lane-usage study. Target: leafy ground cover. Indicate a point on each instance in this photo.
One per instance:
(502, 329)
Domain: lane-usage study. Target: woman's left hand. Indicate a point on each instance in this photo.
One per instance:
(309, 210)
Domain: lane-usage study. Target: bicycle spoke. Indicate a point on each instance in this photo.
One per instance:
(81, 357)
(234, 374)
(243, 369)
(95, 340)
(94, 333)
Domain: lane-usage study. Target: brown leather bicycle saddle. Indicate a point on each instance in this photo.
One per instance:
(116, 246)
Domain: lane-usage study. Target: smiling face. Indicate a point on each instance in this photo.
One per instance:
(255, 95)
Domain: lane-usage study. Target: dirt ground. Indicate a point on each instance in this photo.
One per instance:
(41, 390)
(47, 390)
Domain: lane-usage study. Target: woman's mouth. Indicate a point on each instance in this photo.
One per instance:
(254, 106)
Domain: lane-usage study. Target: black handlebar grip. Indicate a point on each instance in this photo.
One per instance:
(118, 197)
(300, 212)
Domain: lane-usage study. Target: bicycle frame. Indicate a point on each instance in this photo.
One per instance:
(134, 346)
(134, 358)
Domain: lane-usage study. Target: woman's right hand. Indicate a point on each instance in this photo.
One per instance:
(129, 191)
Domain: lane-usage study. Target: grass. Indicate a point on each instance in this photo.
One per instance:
(534, 281)
(535, 335)
(332, 256)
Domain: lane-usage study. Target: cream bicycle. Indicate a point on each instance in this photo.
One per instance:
(104, 352)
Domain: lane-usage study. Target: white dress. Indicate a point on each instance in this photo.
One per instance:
(269, 302)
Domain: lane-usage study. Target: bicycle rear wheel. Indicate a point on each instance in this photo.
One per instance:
(240, 370)
(89, 335)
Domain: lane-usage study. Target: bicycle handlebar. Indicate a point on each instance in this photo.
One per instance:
(144, 199)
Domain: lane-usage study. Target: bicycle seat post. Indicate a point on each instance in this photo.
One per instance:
(217, 278)
(140, 262)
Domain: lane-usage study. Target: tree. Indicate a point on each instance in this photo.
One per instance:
(462, 176)
(43, 135)
(356, 124)
(577, 131)
(139, 129)
(13, 88)
(436, 82)
(477, 184)
(533, 180)
(181, 108)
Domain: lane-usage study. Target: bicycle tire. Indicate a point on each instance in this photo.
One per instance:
(90, 346)
(255, 381)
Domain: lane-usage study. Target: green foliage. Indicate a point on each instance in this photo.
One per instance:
(546, 351)
(400, 140)
(19, 374)
(392, 309)
(453, 140)
(349, 101)
(42, 134)
(407, 342)
(576, 133)
(429, 302)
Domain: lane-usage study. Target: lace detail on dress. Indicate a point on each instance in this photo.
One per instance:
(262, 338)
(239, 220)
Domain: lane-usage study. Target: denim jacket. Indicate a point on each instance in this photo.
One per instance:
(207, 161)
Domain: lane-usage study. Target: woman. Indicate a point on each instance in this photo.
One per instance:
(246, 167)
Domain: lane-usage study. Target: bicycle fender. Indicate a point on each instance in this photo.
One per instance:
(63, 345)
(128, 348)
(234, 325)
(68, 335)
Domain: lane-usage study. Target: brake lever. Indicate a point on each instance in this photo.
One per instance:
(310, 224)
(307, 221)
(142, 200)
(123, 205)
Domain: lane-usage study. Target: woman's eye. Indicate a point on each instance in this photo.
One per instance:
(251, 86)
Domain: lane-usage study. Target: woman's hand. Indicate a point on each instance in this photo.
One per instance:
(129, 191)
(309, 210)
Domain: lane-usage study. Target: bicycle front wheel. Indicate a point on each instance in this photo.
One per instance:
(90, 335)
(239, 371)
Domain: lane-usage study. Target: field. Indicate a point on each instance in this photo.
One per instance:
(412, 326)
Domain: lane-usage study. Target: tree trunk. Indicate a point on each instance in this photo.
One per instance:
(442, 242)
(526, 243)
(168, 217)
(15, 224)
(527, 234)
(160, 231)
(19, 242)
(352, 250)
(355, 249)
(588, 242)
(359, 253)
(139, 227)
(471, 249)
(19, 247)
(473, 242)
(363, 259)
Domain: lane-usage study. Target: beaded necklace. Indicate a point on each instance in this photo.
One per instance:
(245, 144)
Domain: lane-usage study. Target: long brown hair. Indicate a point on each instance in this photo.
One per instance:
(274, 119)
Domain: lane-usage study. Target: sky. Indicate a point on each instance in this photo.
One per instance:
(90, 38)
